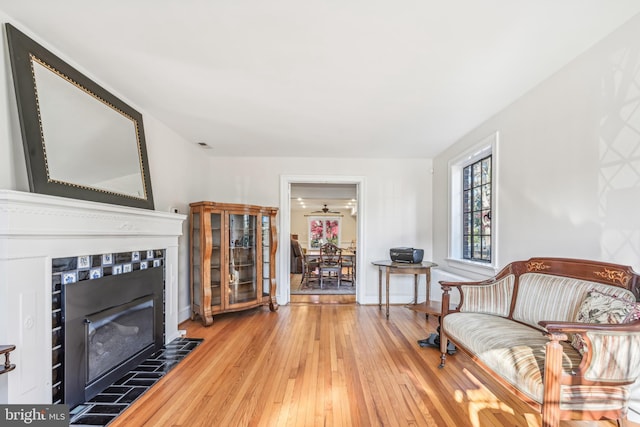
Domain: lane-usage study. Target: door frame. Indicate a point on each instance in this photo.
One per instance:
(284, 242)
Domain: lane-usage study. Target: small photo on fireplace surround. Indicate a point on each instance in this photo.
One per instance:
(69, 277)
(84, 261)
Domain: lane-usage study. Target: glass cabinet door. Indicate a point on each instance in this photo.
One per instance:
(266, 248)
(195, 258)
(216, 259)
(242, 258)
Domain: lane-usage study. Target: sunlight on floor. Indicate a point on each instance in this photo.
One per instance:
(479, 400)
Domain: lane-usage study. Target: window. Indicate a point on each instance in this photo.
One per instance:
(473, 200)
(476, 210)
(323, 230)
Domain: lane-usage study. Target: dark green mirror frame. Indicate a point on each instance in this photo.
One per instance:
(80, 141)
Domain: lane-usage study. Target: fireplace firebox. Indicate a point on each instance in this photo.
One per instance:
(111, 324)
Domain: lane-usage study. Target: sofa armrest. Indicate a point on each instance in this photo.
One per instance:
(447, 287)
(490, 296)
(612, 353)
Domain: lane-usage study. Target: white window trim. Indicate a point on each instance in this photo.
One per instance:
(488, 146)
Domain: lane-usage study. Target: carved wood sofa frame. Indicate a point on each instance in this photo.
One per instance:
(555, 379)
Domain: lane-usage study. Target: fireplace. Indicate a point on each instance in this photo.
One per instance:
(117, 335)
(35, 230)
(110, 323)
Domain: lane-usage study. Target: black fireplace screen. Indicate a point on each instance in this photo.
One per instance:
(111, 324)
(116, 335)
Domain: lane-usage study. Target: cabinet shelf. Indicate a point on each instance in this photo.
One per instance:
(242, 283)
(236, 265)
(232, 264)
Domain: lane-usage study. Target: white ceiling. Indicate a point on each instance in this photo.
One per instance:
(310, 197)
(349, 78)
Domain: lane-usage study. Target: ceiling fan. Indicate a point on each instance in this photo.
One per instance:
(325, 209)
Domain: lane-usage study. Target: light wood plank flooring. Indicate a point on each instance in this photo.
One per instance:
(324, 365)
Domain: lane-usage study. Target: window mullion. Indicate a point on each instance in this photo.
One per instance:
(477, 210)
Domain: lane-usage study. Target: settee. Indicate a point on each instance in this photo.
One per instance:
(562, 334)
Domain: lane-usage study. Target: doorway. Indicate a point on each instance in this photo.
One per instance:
(321, 214)
(343, 199)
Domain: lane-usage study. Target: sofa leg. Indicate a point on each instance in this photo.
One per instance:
(444, 342)
(443, 357)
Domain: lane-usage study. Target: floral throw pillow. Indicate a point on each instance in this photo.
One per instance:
(599, 307)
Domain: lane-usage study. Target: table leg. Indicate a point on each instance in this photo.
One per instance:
(379, 288)
(415, 288)
(387, 284)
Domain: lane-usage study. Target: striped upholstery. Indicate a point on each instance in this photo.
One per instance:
(547, 297)
(594, 398)
(615, 356)
(492, 299)
(512, 350)
(516, 352)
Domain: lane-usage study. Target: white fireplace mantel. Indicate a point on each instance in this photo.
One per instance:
(35, 228)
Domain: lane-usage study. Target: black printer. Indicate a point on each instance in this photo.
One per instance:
(408, 255)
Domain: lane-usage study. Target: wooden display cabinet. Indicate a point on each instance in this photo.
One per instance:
(232, 257)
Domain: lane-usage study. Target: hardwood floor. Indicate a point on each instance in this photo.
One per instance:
(324, 365)
(322, 299)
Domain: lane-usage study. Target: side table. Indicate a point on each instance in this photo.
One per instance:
(389, 267)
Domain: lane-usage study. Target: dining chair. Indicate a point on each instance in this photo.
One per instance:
(330, 262)
(348, 268)
(309, 267)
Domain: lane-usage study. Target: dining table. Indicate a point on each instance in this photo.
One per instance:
(311, 255)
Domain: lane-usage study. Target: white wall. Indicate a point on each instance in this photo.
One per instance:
(569, 152)
(176, 165)
(569, 162)
(396, 204)
(176, 170)
(13, 172)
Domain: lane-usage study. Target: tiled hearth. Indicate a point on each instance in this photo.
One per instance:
(106, 406)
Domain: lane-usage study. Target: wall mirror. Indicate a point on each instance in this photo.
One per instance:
(80, 141)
